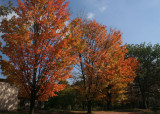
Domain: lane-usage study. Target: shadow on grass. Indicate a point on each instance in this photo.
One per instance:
(14, 112)
(43, 112)
(120, 111)
(67, 112)
(140, 111)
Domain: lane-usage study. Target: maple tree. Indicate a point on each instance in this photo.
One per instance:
(103, 66)
(116, 70)
(38, 46)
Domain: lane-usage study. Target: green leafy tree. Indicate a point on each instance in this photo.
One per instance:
(66, 99)
(148, 78)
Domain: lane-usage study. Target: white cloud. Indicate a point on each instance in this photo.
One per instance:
(66, 23)
(96, 7)
(9, 16)
(102, 9)
(90, 15)
(1, 18)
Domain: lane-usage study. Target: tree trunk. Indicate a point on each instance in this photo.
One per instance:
(109, 97)
(89, 106)
(142, 90)
(32, 104)
(144, 103)
(32, 100)
(108, 105)
(109, 101)
(83, 105)
(33, 89)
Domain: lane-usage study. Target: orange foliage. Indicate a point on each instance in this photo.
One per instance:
(103, 62)
(38, 47)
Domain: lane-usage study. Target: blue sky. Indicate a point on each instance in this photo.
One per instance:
(138, 20)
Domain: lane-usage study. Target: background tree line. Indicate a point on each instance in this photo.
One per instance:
(144, 92)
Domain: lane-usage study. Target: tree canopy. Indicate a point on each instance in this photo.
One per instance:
(38, 46)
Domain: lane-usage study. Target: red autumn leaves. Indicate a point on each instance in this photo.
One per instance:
(42, 50)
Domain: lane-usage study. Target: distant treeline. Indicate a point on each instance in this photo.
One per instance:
(144, 92)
